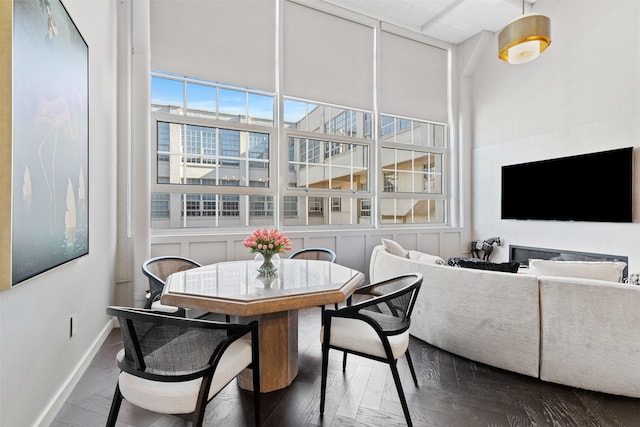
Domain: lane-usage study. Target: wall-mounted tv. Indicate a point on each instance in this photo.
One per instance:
(589, 187)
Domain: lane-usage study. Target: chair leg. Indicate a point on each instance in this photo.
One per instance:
(115, 407)
(403, 400)
(344, 361)
(413, 371)
(325, 364)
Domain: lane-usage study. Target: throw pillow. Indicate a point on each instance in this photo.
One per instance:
(426, 258)
(598, 270)
(507, 267)
(395, 248)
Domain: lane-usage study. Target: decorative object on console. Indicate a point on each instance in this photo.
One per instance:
(267, 243)
(524, 38)
(633, 279)
(484, 246)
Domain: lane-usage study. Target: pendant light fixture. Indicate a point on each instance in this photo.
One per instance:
(524, 38)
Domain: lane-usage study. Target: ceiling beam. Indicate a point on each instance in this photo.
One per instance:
(435, 18)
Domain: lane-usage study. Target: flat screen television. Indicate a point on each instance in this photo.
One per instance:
(589, 187)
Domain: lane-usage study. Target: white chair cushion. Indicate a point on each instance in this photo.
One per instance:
(354, 334)
(158, 306)
(181, 397)
(596, 270)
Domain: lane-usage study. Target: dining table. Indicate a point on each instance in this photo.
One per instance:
(236, 288)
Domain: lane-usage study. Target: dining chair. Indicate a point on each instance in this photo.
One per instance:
(157, 270)
(174, 365)
(376, 328)
(322, 254)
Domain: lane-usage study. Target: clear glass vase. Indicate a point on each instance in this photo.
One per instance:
(269, 265)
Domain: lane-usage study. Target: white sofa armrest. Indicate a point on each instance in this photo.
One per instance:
(590, 334)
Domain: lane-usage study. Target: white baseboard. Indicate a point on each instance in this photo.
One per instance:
(54, 406)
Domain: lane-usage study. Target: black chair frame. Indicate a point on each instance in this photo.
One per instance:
(331, 257)
(156, 284)
(300, 253)
(358, 311)
(133, 362)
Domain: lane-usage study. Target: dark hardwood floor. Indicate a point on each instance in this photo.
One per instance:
(453, 392)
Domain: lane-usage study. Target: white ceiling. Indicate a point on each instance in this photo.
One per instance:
(452, 21)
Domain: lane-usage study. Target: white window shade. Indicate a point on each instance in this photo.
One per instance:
(413, 78)
(327, 58)
(225, 41)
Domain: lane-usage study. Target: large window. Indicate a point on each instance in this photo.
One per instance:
(333, 119)
(411, 163)
(215, 162)
(329, 150)
(213, 150)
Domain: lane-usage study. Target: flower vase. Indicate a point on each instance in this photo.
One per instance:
(269, 264)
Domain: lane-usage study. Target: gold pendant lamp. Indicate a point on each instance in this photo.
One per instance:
(524, 38)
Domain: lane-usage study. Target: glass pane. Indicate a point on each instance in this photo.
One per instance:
(404, 131)
(407, 131)
(411, 171)
(411, 211)
(432, 170)
(201, 100)
(261, 210)
(327, 119)
(232, 105)
(305, 210)
(439, 136)
(200, 155)
(159, 205)
(294, 113)
(388, 159)
(260, 109)
(167, 95)
(327, 164)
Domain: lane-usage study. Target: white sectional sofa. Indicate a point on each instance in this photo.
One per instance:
(574, 331)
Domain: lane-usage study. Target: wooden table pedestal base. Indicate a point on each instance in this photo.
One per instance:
(278, 351)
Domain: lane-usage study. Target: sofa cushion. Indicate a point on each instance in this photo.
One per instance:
(395, 248)
(478, 264)
(597, 270)
(426, 258)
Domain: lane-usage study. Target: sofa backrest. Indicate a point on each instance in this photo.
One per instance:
(472, 312)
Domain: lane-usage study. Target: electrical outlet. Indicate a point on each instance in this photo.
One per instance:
(73, 324)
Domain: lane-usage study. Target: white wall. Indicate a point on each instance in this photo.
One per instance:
(581, 95)
(39, 362)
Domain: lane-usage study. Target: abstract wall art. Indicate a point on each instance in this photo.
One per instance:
(48, 143)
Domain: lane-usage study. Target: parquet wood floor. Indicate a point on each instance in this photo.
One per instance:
(453, 391)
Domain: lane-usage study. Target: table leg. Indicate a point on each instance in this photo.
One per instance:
(278, 351)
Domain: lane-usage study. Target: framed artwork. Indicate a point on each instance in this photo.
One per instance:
(45, 210)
